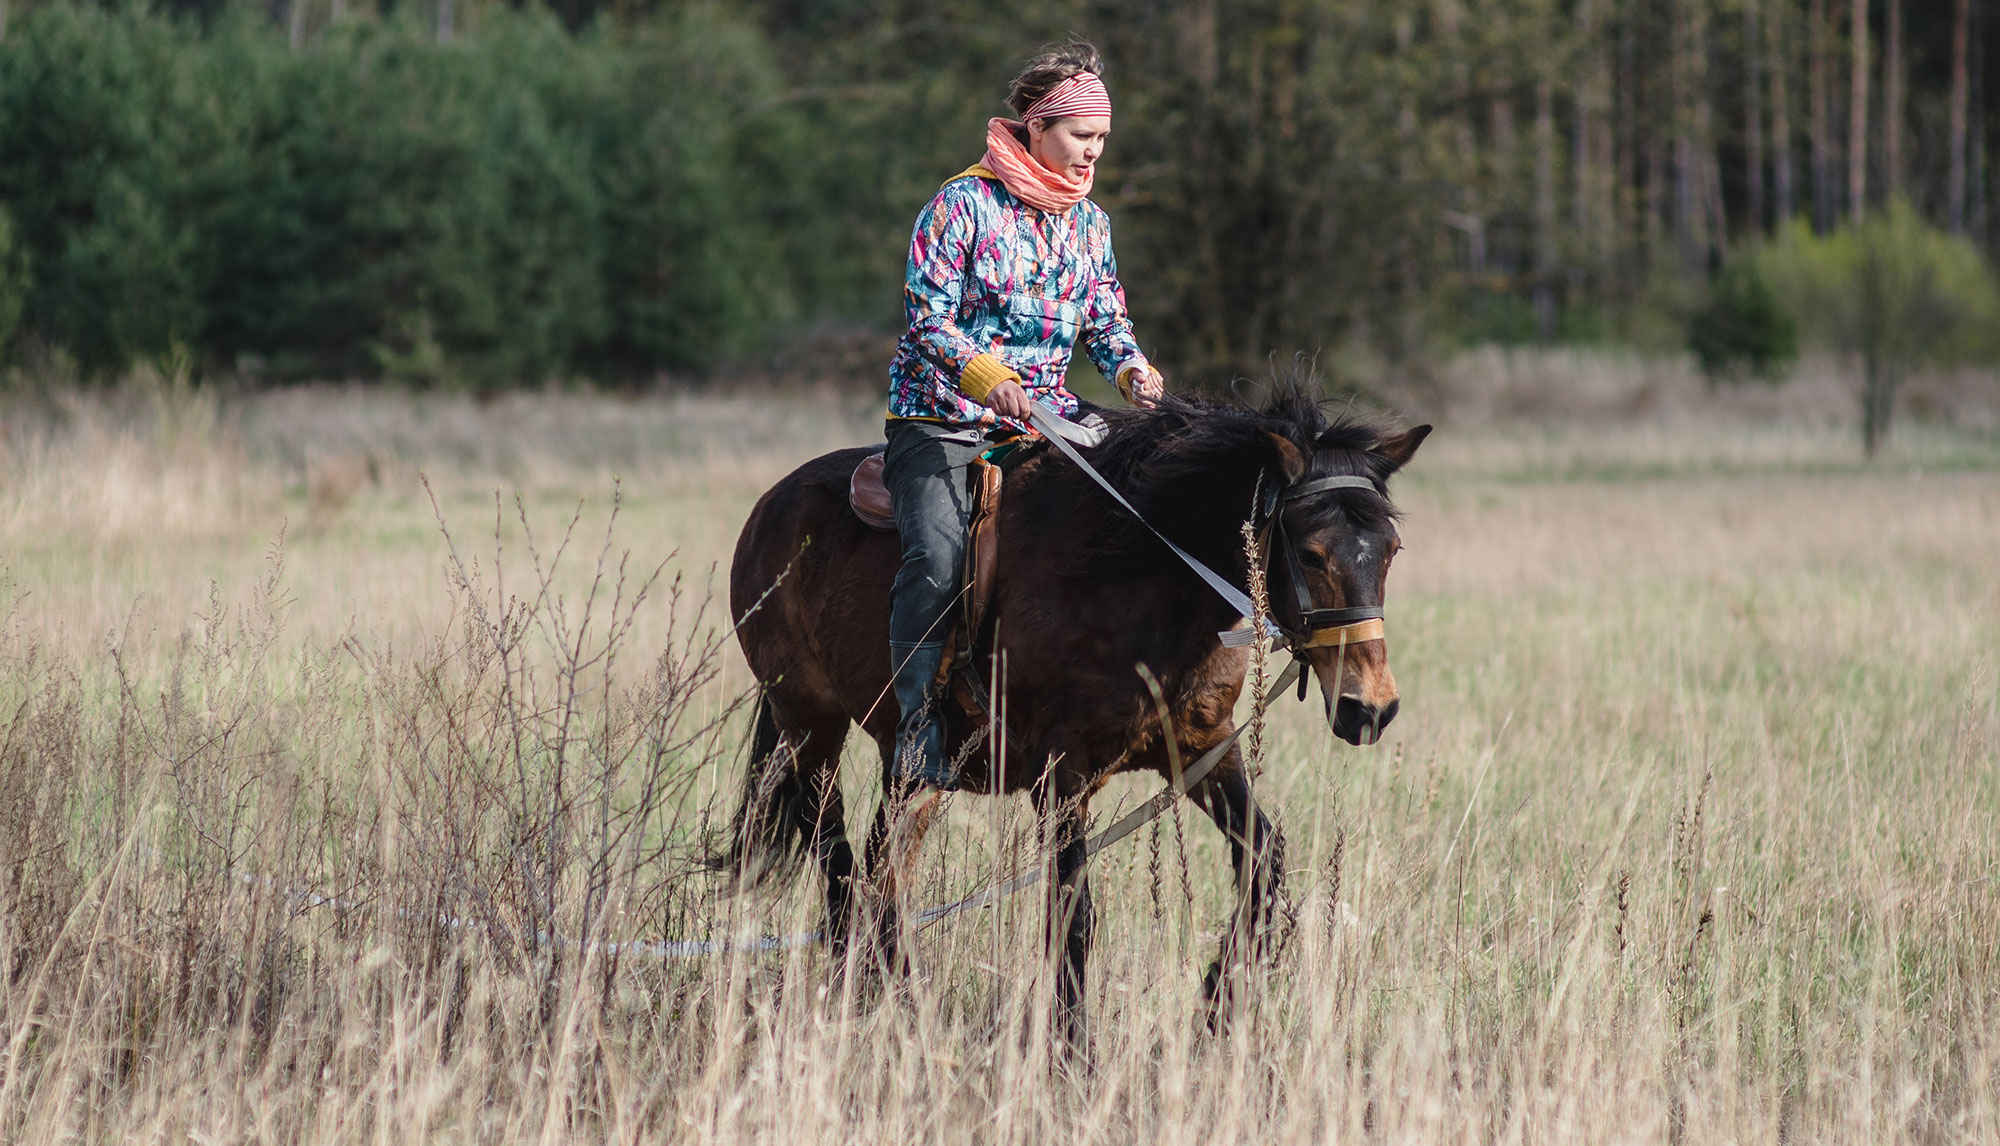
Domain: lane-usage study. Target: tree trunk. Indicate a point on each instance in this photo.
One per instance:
(1878, 401)
(1656, 194)
(1625, 142)
(1960, 91)
(1712, 235)
(1821, 116)
(1681, 87)
(1200, 52)
(1753, 114)
(1979, 190)
(1781, 117)
(1892, 104)
(1506, 161)
(1857, 115)
(1583, 200)
(1545, 209)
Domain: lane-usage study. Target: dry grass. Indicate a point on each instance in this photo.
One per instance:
(1685, 832)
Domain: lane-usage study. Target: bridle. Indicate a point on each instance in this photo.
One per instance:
(1318, 628)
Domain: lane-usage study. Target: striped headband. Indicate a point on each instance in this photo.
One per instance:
(1081, 94)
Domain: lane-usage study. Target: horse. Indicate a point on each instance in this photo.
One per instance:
(1085, 596)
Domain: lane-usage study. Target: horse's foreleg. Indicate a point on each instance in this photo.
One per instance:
(1256, 851)
(1072, 923)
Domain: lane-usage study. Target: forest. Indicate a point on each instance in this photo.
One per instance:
(463, 193)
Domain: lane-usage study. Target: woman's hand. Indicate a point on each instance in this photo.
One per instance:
(1008, 400)
(1148, 386)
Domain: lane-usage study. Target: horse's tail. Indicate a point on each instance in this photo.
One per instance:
(768, 836)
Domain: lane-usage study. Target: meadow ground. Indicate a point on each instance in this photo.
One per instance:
(1689, 829)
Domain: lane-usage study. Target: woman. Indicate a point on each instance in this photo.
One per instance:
(1010, 266)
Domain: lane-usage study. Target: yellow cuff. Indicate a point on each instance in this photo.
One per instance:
(982, 374)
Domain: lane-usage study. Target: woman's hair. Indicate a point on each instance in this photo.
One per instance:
(1049, 67)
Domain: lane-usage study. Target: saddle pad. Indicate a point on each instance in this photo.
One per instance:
(868, 497)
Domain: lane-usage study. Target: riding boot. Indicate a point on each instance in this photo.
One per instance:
(919, 758)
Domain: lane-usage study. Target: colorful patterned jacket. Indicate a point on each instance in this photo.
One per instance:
(989, 274)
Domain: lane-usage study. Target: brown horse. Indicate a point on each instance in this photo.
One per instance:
(1085, 594)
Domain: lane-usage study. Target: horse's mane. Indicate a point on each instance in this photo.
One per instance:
(1187, 450)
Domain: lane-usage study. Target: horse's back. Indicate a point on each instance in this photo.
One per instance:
(809, 588)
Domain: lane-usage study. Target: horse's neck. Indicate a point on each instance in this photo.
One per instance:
(1206, 517)
(1203, 515)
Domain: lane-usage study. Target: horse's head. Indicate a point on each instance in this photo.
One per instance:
(1332, 539)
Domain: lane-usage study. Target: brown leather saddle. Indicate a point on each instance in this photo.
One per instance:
(869, 499)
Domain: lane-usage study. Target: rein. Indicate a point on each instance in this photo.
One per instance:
(1320, 627)
(1133, 820)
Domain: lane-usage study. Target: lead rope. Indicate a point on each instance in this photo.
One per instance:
(1131, 821)
(1062, 432)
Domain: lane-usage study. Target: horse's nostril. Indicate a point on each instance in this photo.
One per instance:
(1358, 722)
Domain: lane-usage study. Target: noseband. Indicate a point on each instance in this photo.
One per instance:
(1319, 628)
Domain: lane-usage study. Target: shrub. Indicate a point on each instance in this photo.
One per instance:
(1893, 291)
(1742, 330)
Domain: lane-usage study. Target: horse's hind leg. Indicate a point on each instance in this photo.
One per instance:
(822, 822)
(792, 804)
(828, 835)
(901, 821)
(1072, 920)
(1256, 851)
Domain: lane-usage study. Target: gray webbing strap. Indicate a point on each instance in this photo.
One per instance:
(1131, 821)
(1318, 485)
(1059, 430)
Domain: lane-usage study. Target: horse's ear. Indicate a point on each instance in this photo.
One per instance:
(1291, 461)
(1399, 448)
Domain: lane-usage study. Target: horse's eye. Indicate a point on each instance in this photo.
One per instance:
(1311, 558)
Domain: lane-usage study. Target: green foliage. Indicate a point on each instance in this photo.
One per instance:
(675, 185)
(1892, 290)
(698, 158)
(1742, 330)
(517, 205)
(1476, 315)
(104, 135)
(1893, 286)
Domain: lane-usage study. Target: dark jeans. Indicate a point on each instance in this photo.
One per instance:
(925, 470)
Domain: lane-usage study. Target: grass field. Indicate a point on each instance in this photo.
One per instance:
(1689, 829)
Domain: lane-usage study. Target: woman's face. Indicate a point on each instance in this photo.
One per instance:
(1069, 145)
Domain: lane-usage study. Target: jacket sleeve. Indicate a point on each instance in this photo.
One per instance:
(1107, 332)
(933, 285)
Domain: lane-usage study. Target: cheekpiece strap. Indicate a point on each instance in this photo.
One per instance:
(1316, 618)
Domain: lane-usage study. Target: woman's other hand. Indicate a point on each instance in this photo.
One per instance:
(1148, 386)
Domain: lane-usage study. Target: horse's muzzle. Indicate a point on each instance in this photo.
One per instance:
(1359, 722)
